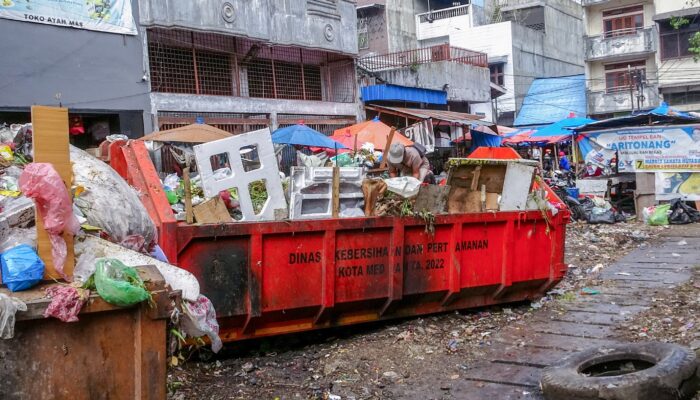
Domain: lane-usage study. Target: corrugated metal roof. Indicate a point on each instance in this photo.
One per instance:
(552, 99)
(448, 116)
(403, 93)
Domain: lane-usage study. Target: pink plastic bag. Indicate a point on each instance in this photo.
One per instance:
(66, 302)
(41, 182)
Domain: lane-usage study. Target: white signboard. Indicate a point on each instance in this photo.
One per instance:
(677, 185)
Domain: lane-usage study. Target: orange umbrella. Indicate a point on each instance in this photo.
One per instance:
(374, 131)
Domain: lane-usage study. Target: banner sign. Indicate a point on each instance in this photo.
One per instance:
(644, 149)
(674, 185)
(421, 132)
(112, 16)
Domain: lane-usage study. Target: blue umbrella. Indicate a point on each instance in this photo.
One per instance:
(302, 135)
(559, 128)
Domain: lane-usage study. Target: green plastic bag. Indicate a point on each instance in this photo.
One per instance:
(660, 215)
(118, 284)
(172, 197)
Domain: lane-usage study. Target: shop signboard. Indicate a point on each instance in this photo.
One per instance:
(112, 16)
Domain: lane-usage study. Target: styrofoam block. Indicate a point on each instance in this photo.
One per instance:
(311, 191)
(516, 187)
(239, 178)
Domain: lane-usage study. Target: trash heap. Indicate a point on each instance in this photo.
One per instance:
(110, 228)
(233, 183)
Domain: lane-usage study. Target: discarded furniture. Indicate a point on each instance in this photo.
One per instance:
(311, 191)
(478, 185)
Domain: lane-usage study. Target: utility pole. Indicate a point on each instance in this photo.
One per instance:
(630, 80)
(640, 77)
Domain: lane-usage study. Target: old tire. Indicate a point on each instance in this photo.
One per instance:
(670, 374)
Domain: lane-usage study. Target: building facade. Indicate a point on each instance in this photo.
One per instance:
(101, 77)
(398, 70)
(636, 58)
(238, 65)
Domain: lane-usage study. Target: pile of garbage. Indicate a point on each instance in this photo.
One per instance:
(677, 212)
(111, 230)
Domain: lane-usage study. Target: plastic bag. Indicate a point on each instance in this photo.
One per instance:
(8, 308)
(660, 215)
(66, 302)
(118, 284)
(108, 201)
(85, 265)
(201, 320)
(405, 186)
(21, 268)
(41, 182)
(343, 160)
(682, 214)
(18, 236)
(171, 181)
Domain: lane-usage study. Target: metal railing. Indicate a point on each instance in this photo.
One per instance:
(445, 13)
(413, 58)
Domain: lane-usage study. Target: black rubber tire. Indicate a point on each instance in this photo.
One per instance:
(672, 377)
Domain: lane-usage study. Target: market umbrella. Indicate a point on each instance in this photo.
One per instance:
(194, 133)
(373, 131)
(302, 135)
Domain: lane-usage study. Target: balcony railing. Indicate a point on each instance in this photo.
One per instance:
(620, 44)
(413, 58)
(613, 101)
(445, 13)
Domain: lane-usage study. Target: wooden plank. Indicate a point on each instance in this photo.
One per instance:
(390, 138)
(336, 192)
(51, 145)
(189, 213)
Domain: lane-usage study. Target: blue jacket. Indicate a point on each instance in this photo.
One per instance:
(564, 164)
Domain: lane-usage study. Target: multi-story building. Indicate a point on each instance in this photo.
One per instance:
(438, 75)
(636, 58)
(238, 65)
(523, 40)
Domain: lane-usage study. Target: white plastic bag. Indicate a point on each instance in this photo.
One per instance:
(200, 320)
(405, 186)
(8, 308)
(108, 202)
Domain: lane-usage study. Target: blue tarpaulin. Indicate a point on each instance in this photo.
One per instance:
(552, 99)
(661, 115)
(302, 135)
(559, 128)
(403, 93)
(480, 139)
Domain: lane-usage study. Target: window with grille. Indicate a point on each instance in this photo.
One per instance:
(675, 43)
(212, 64)
(497, 74)
(623, 21)
(617, 76)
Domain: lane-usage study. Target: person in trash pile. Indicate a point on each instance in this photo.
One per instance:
(564, 162)
(408, 161)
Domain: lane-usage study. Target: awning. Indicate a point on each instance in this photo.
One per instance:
(194, 133)
(439, 115)
(684, 12)
(403, 93)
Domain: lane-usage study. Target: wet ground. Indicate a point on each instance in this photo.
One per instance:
(483, 352)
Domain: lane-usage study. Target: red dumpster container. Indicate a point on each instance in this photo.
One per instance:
(280, 277)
